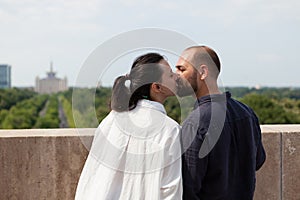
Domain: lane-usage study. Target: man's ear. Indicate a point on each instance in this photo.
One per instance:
(203, 72)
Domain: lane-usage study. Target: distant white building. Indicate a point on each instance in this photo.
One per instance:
(50, 84)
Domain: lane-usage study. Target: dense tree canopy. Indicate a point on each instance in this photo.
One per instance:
(10, 97)
(270, 111)
(21, 108)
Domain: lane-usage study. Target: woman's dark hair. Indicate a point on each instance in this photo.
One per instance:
(145, 70)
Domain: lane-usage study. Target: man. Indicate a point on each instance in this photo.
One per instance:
(221, 138)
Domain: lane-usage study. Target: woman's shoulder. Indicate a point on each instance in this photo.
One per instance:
(172, 128)
(172, 122)
(108, 120)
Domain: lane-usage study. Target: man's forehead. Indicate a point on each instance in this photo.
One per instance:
(185, 59)
(187, 54)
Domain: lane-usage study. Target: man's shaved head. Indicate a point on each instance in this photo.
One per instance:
(203, 55)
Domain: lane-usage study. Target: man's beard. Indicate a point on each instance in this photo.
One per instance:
(186, 87)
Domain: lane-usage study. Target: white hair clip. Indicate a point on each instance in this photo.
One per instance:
(127, 83)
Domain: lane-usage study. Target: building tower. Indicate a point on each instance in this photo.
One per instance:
(50, 84)
(5, 76)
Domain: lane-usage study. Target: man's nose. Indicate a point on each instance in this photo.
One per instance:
(178, 72)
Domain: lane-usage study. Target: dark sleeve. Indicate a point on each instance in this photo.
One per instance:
(260, 153)
(193, 168)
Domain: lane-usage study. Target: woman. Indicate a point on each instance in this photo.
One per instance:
(136, 149)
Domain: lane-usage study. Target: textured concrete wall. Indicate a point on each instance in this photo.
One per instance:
(279, 178)
(40, 164)
(46, 163)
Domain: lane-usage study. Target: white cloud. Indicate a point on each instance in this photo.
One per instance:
(55, 9)
(70, 29)
(270, 58)
(236, 11)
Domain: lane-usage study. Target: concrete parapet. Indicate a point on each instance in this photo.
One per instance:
(40, 164)
(271, 170)
(291, 165)
(279, 178)
(46, 163)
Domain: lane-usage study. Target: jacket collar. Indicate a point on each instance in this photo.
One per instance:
(152, 105)
(212, 98)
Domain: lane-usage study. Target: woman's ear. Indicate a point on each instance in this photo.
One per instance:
(155, 87)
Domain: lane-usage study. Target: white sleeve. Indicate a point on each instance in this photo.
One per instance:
(83, 187)
(87, 184)
(171, 182)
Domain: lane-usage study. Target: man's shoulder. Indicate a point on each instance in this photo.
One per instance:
(240, 109)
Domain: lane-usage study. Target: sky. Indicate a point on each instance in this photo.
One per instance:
(257, 41)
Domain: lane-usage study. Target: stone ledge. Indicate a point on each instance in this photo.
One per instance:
(90, 131)
(65, 132)
(46, 163)
(277, 128)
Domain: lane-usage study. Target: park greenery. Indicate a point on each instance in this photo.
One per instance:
(25, 109)
(48, 117)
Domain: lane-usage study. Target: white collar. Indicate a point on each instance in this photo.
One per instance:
(152, 105)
